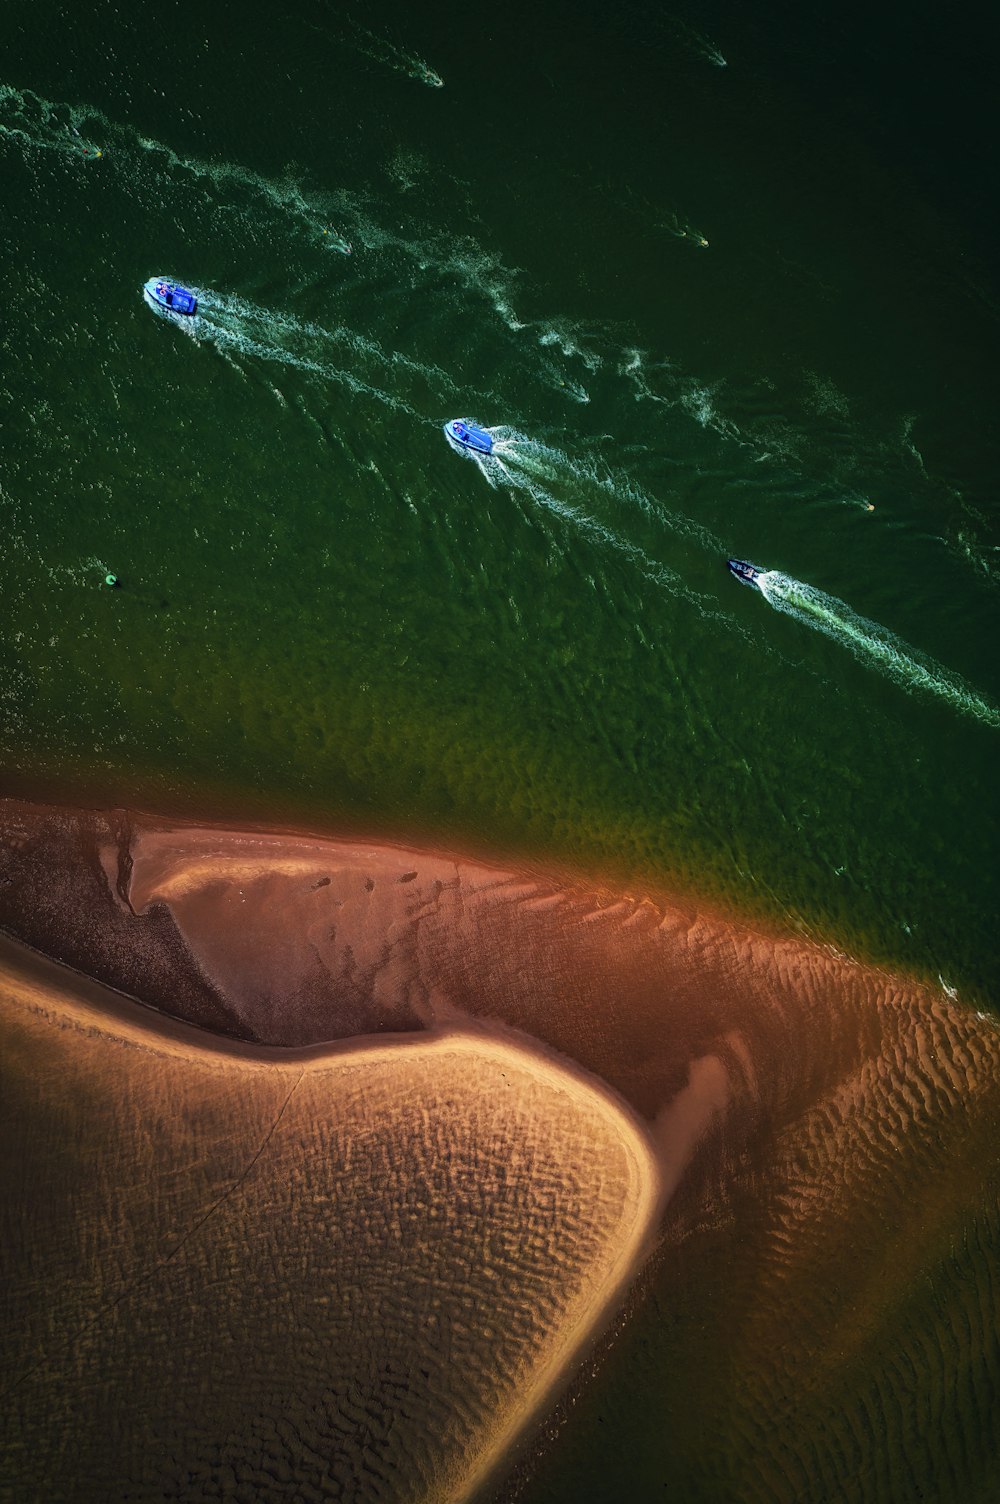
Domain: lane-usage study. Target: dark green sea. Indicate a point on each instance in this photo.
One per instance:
(719, 282)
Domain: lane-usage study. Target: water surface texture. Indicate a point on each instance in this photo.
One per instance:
(722, 292)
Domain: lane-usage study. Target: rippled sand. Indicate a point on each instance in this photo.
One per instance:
(350, 1276)
(820, 1318)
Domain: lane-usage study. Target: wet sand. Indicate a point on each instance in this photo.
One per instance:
(819, 1318)
(232, 1272)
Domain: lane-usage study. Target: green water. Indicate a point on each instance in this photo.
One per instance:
(328, 617)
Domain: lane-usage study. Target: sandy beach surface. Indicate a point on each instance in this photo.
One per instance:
(818, 1316)
(361, 1271)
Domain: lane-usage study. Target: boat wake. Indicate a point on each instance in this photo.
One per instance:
(34, 123)
(237, 326)
(29, 120)
(698, 43)
(873, 645)
(553, 482)
(381, 50)
(533, 470)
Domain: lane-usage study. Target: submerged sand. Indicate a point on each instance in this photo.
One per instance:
(819, 1319)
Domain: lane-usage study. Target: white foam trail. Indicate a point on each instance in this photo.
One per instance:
(147, 165)
(656, 216)
(984, 558)
(381, 50)
(635, 366)
(232, 190)
(682, 229)
(873, 645)
(50, 125)
(564, 384)
(518, 458)
(554, 464)
(566, 335)
(236, 327)
(31, 121)
(627, 492)
(701, 45)
(535, 469)
(287, 198)
(307, 336)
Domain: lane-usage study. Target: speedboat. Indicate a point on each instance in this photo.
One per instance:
(171, 295)
(469, 436)
(749, 574)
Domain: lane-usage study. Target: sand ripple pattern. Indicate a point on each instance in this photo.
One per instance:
(859, 1315)
(819, 1318)
(257, 1280)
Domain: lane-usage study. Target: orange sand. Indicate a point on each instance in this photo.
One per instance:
(826, 1132)
(454, 1210)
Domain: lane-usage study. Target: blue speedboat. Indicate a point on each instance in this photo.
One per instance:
(171, 296)
(749, 574)
(469, 436)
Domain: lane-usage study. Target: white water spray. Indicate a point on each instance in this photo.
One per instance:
(79, 131)
(46, 125)
(873, 645)
(381, 50)
(540, 471)
(700, 44)
(236, 326)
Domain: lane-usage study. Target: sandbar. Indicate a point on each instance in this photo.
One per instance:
(819, 1305)
(401, 1246)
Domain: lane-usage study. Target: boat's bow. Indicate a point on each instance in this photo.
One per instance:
(747, 574)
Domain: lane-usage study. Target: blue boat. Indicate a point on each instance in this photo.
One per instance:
(749, 574)
(171, 296)
(469, 436)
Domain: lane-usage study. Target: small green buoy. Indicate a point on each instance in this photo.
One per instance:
(112, 580)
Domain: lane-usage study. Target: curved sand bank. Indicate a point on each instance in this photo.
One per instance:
(349, 1274)
(821, 1316)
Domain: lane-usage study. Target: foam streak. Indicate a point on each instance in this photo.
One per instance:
(873, 645)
